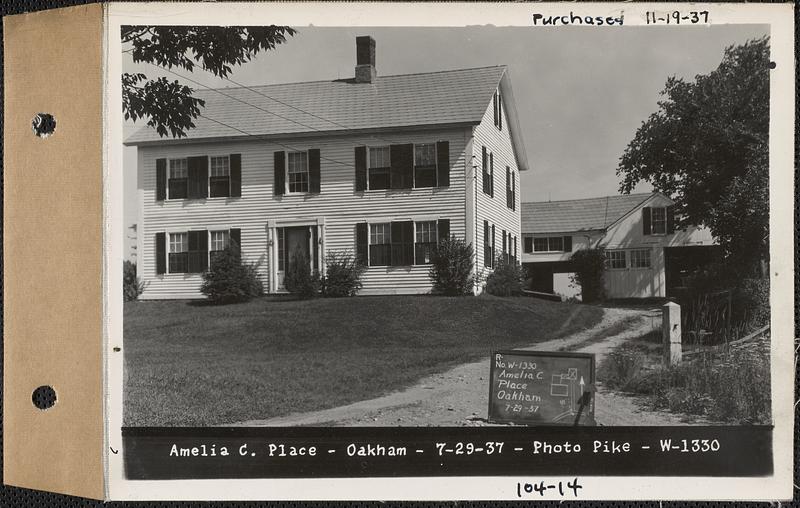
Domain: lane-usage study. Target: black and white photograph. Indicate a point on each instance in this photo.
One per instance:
(339, 226)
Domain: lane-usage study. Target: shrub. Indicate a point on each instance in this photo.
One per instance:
(229, 280)
(622, 369)
(451, 267)
(506, 279)
(589, 267)
(342, 274)
(299, 279)
(132, 287)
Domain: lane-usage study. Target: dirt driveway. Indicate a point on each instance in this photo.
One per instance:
(459, 397)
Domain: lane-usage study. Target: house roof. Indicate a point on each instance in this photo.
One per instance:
(444, 98)
(578, 214)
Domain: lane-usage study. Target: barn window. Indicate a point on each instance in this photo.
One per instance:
(615, 259)
(640, 258)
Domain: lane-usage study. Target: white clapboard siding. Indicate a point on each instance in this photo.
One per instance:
(494, 209)
(337, 205)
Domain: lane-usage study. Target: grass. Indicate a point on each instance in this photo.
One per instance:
(203, 365)
(730, 385)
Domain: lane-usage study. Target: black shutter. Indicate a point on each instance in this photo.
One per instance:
(313, 170)
(280, 173)
(402, 243)
(443, 229)
(198, 177)
(361, 242)
(485, 170)
(198, 251)
(161, 253)
(504, 242)
(361, 169)
(236, 238)
(646, 220)
(568, 243)
(402, 166)
(670, 219)
(515, 248)
(236, 175)
(514, 190)
(493, 246)
(499, 111)
(487, 261)
(443, 163)
(491, 176)
(508, 187)
(161, 180)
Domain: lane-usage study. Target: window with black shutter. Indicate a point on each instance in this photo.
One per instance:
(425, 165)
(380, 244)
(178, 252)
(509, 197)
(379, 168)
(491, 174)
(178, 180)
(219, 183)
(426, 237)
(497, 106)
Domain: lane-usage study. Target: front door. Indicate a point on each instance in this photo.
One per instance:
(294, 244)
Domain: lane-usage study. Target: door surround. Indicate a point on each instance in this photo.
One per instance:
(272, 245)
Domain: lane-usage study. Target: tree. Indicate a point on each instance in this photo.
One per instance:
(707, 148)
(168, 105)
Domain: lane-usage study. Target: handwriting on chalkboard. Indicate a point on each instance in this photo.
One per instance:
(544, 388)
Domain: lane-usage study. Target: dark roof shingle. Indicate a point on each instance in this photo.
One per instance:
(577, 214)
(435, 98)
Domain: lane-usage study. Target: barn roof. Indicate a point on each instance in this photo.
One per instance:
(578, 214)
(444, 98)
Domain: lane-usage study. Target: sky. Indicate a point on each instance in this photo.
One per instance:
(581, 92)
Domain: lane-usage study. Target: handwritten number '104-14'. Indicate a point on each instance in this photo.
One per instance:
(541, 488)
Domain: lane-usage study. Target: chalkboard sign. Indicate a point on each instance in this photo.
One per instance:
(541, 388)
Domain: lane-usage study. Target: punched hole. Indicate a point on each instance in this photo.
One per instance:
(772, 65)
(44, 397)
(43, 125)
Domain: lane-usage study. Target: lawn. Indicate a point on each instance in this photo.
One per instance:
(189, 364)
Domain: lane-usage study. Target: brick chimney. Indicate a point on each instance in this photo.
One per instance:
(365, 59)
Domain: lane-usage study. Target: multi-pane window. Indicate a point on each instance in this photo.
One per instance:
(615, 259)
(379, 168)
(658, 221)
(640, 258)
(218, 240)
(178, 178)
(220, 177)
(549, 244)
(178, 252)
(497, 104)
(380, 244)
(425, 241)
(488, 248)
(425, 165)
(528, 246)
(298, 171)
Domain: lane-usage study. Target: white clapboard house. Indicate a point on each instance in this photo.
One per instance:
(646, 255)
(380, 166)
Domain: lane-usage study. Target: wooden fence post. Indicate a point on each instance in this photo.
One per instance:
(671, 330)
